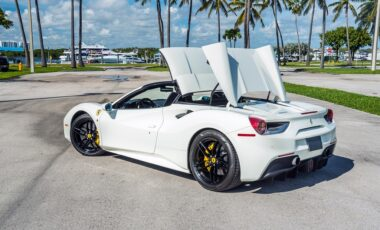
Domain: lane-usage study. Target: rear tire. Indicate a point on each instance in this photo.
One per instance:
(214, 162)
(84, 136)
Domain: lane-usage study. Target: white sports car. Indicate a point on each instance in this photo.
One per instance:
(224, 117)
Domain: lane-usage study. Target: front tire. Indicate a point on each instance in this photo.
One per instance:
(85, 137)
(214, 162)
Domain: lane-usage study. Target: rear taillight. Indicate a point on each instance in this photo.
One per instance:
(267, 128)
(329, 116)
(258, 124)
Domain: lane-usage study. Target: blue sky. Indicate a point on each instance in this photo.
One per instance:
(117, 23)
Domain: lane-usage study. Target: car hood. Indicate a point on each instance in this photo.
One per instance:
(238, 71)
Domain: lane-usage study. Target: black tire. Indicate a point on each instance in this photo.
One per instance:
(83, 136)
(215, 166)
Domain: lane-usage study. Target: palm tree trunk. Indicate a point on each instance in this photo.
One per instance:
(189, 23)
(168, 26)
(25, 43)
(160, 23)
(81, 64)
(322, 65)
(73, 61)
(299, 42)
(247, 40)
(348, 39)
(274, 9)
(310, 33)
(282, 42)
(218, 14)
(43, 58)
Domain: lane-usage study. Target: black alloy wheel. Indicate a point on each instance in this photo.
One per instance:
(214, 162)
(85, 137)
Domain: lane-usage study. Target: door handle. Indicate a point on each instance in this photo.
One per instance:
(178, 116)
(152, 126)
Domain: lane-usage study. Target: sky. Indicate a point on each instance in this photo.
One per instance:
(118, 23)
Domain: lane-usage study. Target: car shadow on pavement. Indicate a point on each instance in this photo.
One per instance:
(155, 167)
(336, 167)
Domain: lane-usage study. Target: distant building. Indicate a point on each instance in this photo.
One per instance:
(11, 46)
(369, 57)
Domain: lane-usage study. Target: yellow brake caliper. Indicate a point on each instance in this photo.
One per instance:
(97, 139)
(206, 159)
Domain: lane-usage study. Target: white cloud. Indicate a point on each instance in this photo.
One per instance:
(118, 23)
(104, 32)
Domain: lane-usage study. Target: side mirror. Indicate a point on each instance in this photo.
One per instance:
(108, 107)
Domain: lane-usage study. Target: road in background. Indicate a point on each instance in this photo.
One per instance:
(366, 84)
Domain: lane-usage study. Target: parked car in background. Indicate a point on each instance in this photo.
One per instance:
(4, 64)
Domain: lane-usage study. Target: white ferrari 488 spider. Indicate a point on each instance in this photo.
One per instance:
(224, 117)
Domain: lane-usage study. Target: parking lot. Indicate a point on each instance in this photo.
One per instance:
(46, 184)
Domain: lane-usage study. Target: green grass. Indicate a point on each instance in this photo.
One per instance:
(158, 68)
(340, 70)
(13, 70)
(352, 100)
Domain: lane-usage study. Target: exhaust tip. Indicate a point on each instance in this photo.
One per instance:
(296, 161)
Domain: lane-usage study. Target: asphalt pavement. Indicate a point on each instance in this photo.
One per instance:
(46, 184)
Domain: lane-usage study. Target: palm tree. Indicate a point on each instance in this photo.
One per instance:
(309, 4)
(228, 36)
(159, 19)
(367, 18)
(232, 35)
(325, 11)
(26, 49)
(235, 32)
(169, 4)
(296, 8)
(190, 2)
(254, 14)
(367, 15)
(73, 61)
(215, 5)
(4, 21)
(43, 58)
(168, 25)
(276, 6)
(81, 64)
(338, 7)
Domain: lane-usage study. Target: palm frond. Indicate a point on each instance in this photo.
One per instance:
(353, 10)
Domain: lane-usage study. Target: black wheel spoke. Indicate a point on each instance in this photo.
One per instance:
(202, 149)
(87, 143)
(78, 131)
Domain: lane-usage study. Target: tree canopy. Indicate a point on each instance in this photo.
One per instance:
(336, 38)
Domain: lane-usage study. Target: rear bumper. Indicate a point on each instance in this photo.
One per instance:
(286, 164)
(256, 153)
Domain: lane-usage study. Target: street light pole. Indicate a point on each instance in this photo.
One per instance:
(31, 38)
(376, 38)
